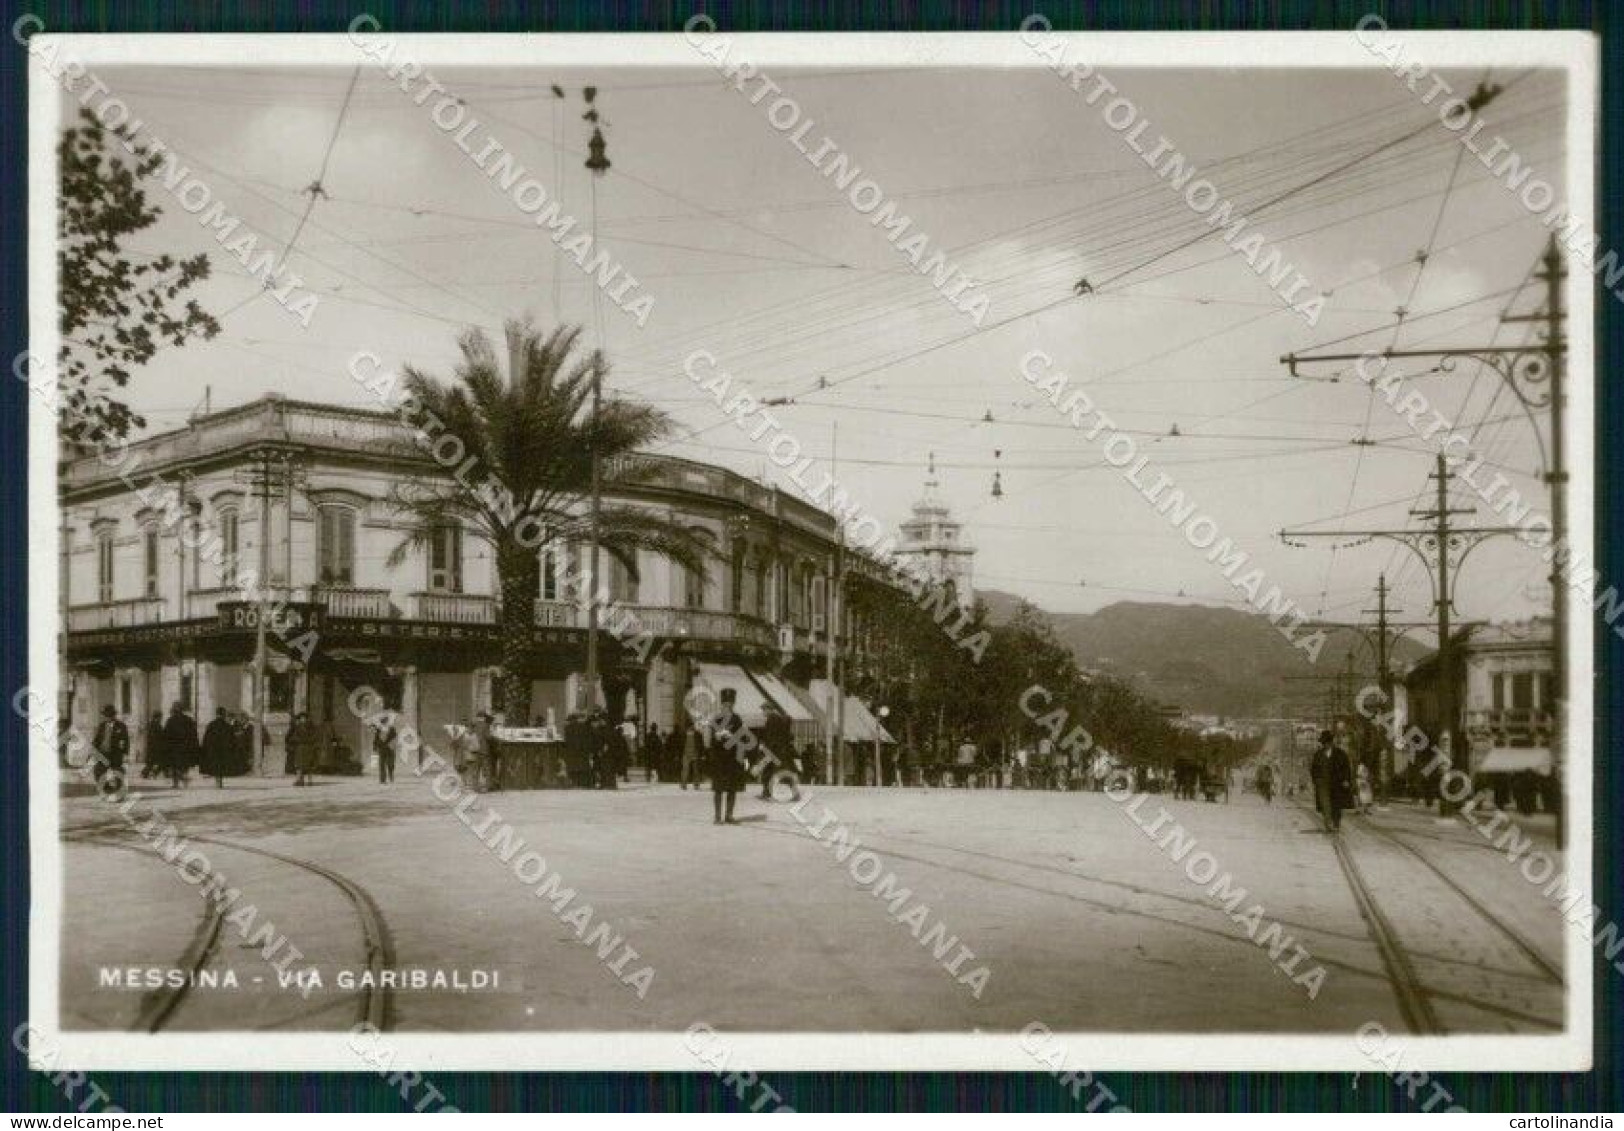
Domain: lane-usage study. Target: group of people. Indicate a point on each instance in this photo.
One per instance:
(174, 748)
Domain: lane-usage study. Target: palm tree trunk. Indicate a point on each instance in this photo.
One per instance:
(518, 575)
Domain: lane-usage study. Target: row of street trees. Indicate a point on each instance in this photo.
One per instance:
(940, 694)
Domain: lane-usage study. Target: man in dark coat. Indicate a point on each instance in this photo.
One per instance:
(180, 744)
(726, 768)
(157, 760)
(578, 749)
(607, 744)
(219, 747)
(777, 740)
(1332, 774)
(386, 743)
(112, 744)
(301, 740)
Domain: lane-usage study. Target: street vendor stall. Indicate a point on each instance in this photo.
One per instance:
(530, 758)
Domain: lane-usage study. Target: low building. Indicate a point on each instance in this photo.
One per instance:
(302, 494)
(1503, 692)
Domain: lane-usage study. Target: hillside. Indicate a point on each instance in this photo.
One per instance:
(1202, 658)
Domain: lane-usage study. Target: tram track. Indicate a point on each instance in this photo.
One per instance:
(1384, 973)
(1414, 999)
(1510, 933)
(374, 998)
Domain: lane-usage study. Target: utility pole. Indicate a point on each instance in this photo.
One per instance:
(597, 164)
(1442, 549)
(1536, 377)
(835, 738)
(1556, 477)
(265, 483)
(1387, 633)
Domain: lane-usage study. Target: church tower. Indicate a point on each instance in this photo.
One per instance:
(933, 541)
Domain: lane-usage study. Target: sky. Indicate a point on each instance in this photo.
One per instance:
(752, 255)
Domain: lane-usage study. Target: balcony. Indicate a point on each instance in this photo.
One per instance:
(1525, 728)
(116, 614)
(350, 602)
(700, 624)
(453, 608)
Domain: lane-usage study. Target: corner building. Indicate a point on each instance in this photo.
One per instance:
(150, 619)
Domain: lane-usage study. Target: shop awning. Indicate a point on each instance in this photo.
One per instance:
(781, 694)
(751, 700)
(1515, 759)
(857, 724)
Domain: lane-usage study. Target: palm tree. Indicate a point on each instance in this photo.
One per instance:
(528, 441)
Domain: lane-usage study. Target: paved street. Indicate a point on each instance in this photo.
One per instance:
(1081, 920)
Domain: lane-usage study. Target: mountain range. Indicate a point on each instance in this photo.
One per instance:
(1202, 658)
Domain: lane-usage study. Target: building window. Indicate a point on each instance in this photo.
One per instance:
(125, 696)
(1522, 691)
(622, 583)
(149, 562)
(445, 559)
(817, 601)
(549, 575)
(761, 588)
(696, 581)
(336, 551)
(186, 682)
(1499, 688)
(735, 596)
(104, 566)
(230, 541)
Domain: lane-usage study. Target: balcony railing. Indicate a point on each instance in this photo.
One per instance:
(454, 608)
(116, 614)
(1525, 728)
(351, 602)
(701, 624)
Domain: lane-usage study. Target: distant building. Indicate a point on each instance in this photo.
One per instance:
(1503, 691)
(934, 541)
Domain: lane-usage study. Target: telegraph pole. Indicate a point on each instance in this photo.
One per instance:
(835, 739)
(1442, 549)
(1535, 374)
(1387, 633)
(597, 164)
(1556, 477)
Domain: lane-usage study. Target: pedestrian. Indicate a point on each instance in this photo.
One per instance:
(726, 768)
(462, 744)
(1362, 779)
(966, 764)
(112, 745)
(653, 747)
(578, 749)
(693, 750)
(242, 743)
(1265, 783)
(219, 747)
(180, 744)
(301, 744)
(625, 747)
(605, 766)
(386, 744)
(490, 750)
(778, 754)
(1333, 780)
(809, 761)
(152, 759)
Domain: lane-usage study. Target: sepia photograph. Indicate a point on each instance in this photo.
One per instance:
(729, 553)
